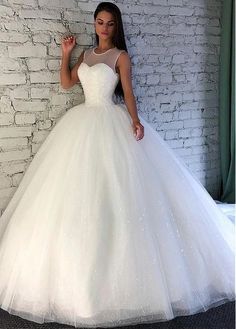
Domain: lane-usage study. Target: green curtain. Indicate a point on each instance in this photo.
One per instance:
(227, 103)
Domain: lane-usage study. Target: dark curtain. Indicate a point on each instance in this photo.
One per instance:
(227, 102)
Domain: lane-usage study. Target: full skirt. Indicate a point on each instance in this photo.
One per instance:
(104, 230)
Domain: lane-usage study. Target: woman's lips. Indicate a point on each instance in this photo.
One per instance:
(104, 33)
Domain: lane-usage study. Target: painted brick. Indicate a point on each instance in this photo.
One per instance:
(27, 50)
(174, 47)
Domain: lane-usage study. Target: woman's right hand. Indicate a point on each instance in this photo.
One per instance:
(68, 44)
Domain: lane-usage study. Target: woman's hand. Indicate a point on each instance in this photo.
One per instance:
(138, 130)
(68, 44)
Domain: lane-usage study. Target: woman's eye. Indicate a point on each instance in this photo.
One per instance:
(101, 23)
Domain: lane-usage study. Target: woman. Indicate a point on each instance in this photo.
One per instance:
(104, 230)
(107, 37)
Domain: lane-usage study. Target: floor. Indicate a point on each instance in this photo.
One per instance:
(221, 317)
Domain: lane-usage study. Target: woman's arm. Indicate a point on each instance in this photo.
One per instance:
(124, 66)
(69, 77)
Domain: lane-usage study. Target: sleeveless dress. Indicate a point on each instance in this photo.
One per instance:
(105, 230)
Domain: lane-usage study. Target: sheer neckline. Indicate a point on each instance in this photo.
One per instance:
(103, 52)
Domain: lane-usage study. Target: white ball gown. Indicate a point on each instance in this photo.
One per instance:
(105, 230)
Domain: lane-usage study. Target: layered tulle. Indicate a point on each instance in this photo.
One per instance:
(104, 230)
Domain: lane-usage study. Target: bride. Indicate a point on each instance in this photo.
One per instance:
(108, 227)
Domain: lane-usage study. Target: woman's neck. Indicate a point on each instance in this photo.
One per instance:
(103, 46)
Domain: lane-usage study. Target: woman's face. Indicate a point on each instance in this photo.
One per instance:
(105, 25)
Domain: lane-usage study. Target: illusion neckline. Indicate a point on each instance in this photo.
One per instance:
(103, 52)
(115, 73)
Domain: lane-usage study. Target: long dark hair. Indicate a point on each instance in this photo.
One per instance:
(118, 38)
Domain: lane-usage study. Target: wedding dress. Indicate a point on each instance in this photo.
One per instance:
(105, 230)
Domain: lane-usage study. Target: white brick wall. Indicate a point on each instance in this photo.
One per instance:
(174, 48)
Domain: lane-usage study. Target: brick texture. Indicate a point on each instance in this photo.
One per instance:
(174, 49)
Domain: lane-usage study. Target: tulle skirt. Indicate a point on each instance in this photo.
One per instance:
(104, 230)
